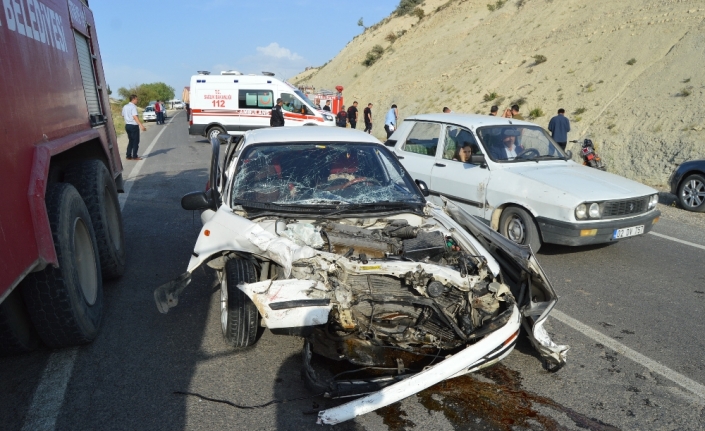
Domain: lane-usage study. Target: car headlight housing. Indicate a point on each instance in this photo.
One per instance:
(653, 200)
(581, 212)
(328, 117)
(594, 211)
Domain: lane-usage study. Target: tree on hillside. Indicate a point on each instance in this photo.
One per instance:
(147, 92)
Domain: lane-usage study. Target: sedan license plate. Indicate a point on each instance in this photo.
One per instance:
(627, 232)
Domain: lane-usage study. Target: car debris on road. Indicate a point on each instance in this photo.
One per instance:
(321, 234)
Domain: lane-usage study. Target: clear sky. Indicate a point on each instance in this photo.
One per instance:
(169, 40)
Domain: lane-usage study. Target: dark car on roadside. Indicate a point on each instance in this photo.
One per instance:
(688, 183)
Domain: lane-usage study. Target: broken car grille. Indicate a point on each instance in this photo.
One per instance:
(612, 209)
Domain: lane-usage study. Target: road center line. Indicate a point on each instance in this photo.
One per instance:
(677, 378)
(51, 391)
(670, 238)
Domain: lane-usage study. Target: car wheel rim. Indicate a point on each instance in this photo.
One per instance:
(85, 261)
(694, 193)
(516, 229)
(214, 134)
(224, 305)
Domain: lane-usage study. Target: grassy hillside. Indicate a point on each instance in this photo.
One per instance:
(630, 74)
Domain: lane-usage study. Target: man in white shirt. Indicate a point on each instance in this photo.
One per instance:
(132, 128)
(508, 149)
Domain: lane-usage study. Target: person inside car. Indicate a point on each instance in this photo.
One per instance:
(463, 153)
(509, 147)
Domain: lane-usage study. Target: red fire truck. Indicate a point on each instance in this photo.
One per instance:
(61, 228)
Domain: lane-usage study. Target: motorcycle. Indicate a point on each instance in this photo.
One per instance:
(590, 156)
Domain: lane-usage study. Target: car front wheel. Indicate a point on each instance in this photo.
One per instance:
(691, 193)
(518, 225)
(213, 132)
(239, 317)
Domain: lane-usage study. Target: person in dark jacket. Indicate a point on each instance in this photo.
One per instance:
(559, 126)
(342, 118)
(352, 115)
(277, 119)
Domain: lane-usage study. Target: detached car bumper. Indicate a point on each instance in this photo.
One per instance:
(567, 233)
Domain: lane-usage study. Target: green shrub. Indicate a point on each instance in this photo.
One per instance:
(631, 61)
(685, 92)
(374, 55)
(488, 97)
(406, 7)
(497, 5)
(391, 37)
(538, 59)
(536, 113)
(686, 80)
(418, 13)
(579, 111)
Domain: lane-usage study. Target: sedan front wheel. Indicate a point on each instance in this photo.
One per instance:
(518, 225)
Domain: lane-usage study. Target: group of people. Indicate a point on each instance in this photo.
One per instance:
(351, 116)
(160, 110)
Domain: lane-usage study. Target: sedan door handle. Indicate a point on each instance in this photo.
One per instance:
(440, 165)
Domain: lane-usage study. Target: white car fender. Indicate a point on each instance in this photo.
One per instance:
(225, 231)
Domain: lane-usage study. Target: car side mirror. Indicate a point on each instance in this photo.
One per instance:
(423, 187)
(478, 159)
(569, 154)
(196, 201)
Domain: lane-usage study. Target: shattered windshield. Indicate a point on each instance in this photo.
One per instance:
(313, 174)
(514, 143)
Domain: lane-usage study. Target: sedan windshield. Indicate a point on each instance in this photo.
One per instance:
(515, 143)
(319, 174)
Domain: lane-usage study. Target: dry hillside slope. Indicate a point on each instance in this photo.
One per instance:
(645, 117)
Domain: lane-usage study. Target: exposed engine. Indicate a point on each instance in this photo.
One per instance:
(411, 287)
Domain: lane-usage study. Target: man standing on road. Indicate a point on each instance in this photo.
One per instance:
(493, 110)
(513, 113)
(277, 119)
(327, 107)
(158, 111)
(352, 115)
(342, 117)
(132, 128)
(390, 120)
(368, 118)
(559, 126)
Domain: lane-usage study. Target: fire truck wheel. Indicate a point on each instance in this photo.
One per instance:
(66, 303)
(16, 332)
(214, 131)
(239, 317)
(95, 185)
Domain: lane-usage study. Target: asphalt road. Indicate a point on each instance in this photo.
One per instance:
(636, 358)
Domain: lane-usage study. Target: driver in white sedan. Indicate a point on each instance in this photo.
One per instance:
(508, 148)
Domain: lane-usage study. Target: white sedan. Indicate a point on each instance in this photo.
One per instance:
(512, 175)
(148, 114)
(320, 233)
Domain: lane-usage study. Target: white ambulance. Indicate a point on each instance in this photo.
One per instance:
(235, 103)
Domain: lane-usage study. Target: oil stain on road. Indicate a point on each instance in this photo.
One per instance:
(498, 405)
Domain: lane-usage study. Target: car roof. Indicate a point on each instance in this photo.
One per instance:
(469, 120)
(308, 134)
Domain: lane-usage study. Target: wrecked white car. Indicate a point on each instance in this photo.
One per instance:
(320, 233)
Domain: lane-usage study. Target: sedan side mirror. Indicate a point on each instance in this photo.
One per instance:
(423, 187)
(195, 201)
(478, 159)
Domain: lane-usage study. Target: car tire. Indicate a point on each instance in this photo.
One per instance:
(691, 193)
(17, 334)
(65, 303)
(519, 226)
(213, 132)
(97, 188)
(239, 317)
